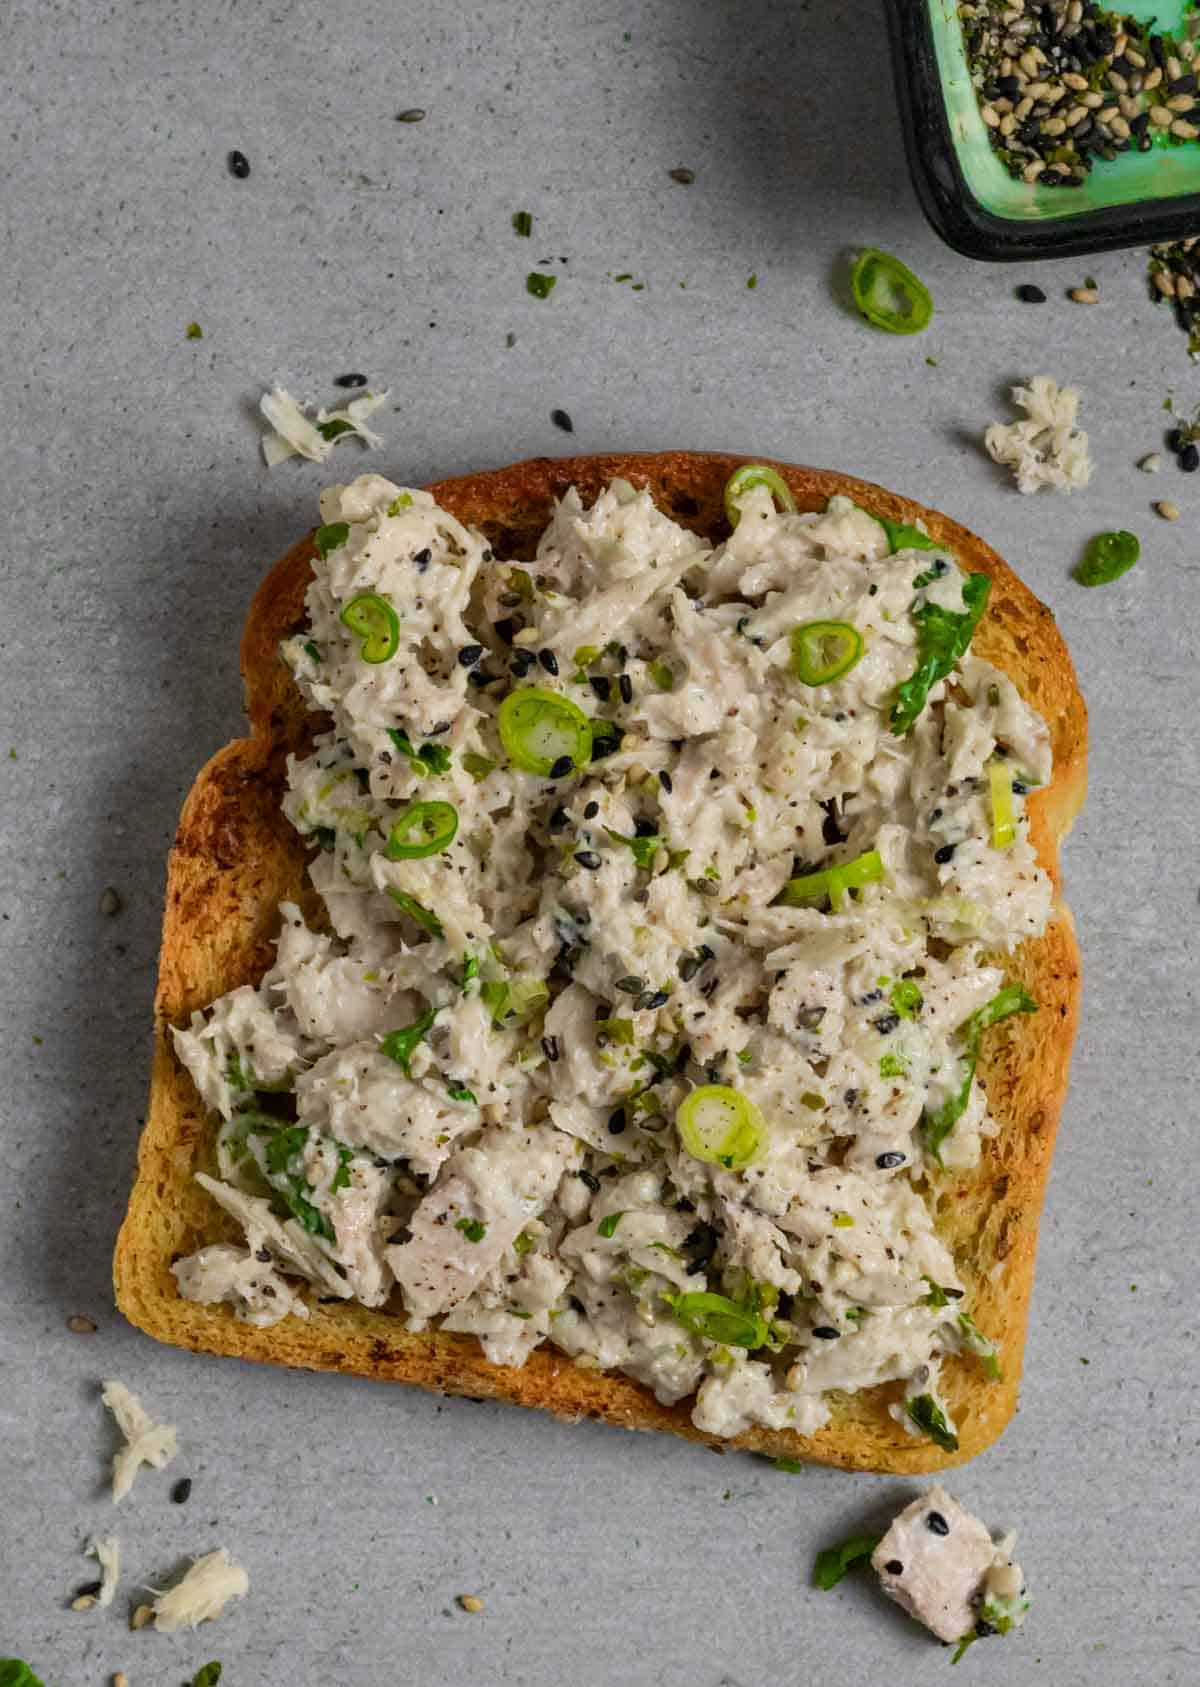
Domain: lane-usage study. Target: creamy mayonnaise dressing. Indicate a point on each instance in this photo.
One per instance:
(589, 949)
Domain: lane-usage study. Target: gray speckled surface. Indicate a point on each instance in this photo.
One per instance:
(138, 520)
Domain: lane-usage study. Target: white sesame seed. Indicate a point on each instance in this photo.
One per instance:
(1072, 79)
(1151, 464)
(1181, 102)
(1185, 287)
(141, 1616)
(471, 1602)
(1183, 130)
(1160, 117)
(1167, 510)
(1084, 295)
(989, 117)
(1152, 78)
(84, 1602)
(1165, 282)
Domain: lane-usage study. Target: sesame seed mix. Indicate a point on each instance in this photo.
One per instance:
(1174, 271)
(1064, 83)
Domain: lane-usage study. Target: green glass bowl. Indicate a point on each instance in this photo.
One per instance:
(968, 195)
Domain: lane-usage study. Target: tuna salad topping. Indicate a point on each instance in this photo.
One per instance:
(662, 886)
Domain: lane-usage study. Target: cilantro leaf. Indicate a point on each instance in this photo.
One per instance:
(943, 636)
(335, 427)
(794, 1467)
(608, 1226)
(906, 998)
(430, 758)
(208, 1676)
(893, 1066)
(14, 1673)
(331, 537)
(284, 1150)
(472, 1229)
(938, 1122)
(643, 849)
(930, 1418)
(399, 1045)
(832, 1564)
(522, 222)
(540, 286)
(460, 1092)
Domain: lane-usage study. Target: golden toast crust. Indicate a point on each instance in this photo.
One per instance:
(235, 857)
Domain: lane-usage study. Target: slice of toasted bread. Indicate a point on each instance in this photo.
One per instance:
(235, 858)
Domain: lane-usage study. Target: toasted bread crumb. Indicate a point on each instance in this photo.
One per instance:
(471, 1602)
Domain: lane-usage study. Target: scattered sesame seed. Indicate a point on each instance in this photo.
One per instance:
(471, 1602)
(589, 859)
(414, 114)
(83, 1602)
(81, 1326)
(548, 660)
(141, 1616)
(1150, 464)
(120, 1679)
(182, 1491)
(1084, 295)
(683, 176)
(239, 165)
(350, 381)
(562, 419)
(560, 768)
(110, 901)
(1167, 510)
(1030, 295)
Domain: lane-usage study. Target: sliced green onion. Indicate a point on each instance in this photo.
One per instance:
(823, 651)
(717, 1319)
(1108, 556)
(538, 728)
(983, 1347)
(1004, 822)
(424, 828)
(833, 883)
(376, 623)
(888, 294)
(416, 911)
(750, 475)
(720, 1125)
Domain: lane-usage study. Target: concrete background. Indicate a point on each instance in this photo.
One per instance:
(138, 519)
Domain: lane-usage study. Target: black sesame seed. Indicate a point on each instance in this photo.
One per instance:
(263, 1256)
(617, 1121)
(708, 988)
(983, 1629)
(887, 1162)
(89, 1590)
(560, 768)
(422, 560)
(589, 859)
(894, 1567)
(602, 1010)
(1189, 459)
(521, 662)
(239, 165)
(688, 967)
(651, 1001)
(575, 1303)
(505, 629)
(1027, 292)
(558, 820)
(625, 687)
(826, 1332)
(1019, 789)
(550, 1047)
(480, 678)
(511, 600)
(589, 1181)
(1176, 440)
(182, 1491)
(946, 853)
(850, 1097)
(936, 1523)
(469, 655)
(664, 780)
(350, 381)
(601, 686)
(886, 1023)
(644, 829)
(606, 746)
(630, 985)
(548, 660)
(562, 420)
(414, 114)
(591, 811)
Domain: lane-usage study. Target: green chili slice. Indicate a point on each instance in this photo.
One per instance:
(1108, 556)
(376, 623)
(1004, 820)
(424, 828)
(823, 651)
(888, 294)
(720, 1125)
(833, 883)
(539, 728)
(750, 475)
(718, 1319)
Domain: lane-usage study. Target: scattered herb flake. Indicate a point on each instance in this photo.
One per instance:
(522, 222)
(472, 1229)
(194, 331)
(540, 286)
(832, 1564)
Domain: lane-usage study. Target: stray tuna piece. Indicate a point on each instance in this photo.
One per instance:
(936, 1561)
